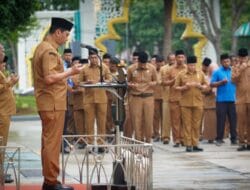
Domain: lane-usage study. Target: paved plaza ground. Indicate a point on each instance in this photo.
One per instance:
(214, 168)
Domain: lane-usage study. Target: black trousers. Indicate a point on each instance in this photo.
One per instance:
(224, 109)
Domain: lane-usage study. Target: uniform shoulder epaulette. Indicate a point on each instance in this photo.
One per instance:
(52, 52)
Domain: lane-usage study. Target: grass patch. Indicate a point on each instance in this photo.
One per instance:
(26, 105)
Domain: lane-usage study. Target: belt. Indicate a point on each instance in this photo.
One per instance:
(143, 95)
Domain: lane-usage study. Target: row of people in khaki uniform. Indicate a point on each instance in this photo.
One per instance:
(7, 107)
(88, 104)
(211, 130)
(166, 101)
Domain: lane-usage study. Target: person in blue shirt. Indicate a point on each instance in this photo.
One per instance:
(225, 99)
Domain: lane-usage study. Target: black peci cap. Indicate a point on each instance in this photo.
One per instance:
(67, 50)
(191, 59)
(242, 52)
(224, 56)
(93, 51)
(179, 52)
(84, 61)
(76, 58)
(61, 23)
(114, 60)
(206, 61)
(135, 54)
(142, 57)
(159, 58)
(106, 56)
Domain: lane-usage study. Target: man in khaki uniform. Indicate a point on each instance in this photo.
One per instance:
(95, 99)
(7, 106)
(69, 123)
(113, 67)
(50, 92)
(241, 77)
(209, 115)
(175, 97)
(78, 107)
(142, 79)
(106, 59)
(157, 123)
(166, 125)
(191, 83)
(127, 125)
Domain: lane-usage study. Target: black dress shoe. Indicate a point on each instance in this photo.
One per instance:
(57, 187)
(242, 148)
(177, 145)
(234, 142)
(248, 147)
(66, 150)
(197, 149)
(210, 141)
(218, 142)
(101, 150)
(165, 141)
(82, 146)
(8, 178)
(157, 139)
(189, 149)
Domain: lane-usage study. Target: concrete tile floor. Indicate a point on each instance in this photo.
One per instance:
(215, 168)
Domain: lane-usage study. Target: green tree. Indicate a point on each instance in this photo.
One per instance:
(146, 25)
(17, 17)
(238, 11)
(150, 28)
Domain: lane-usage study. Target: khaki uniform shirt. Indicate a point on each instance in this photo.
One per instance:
(209, 97)
(111, 97)
(7, 99)
(142, 77)
(192, 97)
(173, 71)
(165, 89)
(77, 96)
(94, 95)
(158, 88)
(241, 77)
(47, 61)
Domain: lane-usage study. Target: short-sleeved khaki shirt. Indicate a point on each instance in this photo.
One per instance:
(94, 95)
(158, 93)
(7, 99)
(142, 77)
(165, 89)
(172, 72)
(192, 97)
(48, 61)
(241, 77)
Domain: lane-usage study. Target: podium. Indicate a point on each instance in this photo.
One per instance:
(117, 89)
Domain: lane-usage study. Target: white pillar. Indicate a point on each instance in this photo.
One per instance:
(88, 23)
(22, 69)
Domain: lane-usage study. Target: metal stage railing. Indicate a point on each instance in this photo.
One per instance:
(128, 163)
(9, 165)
